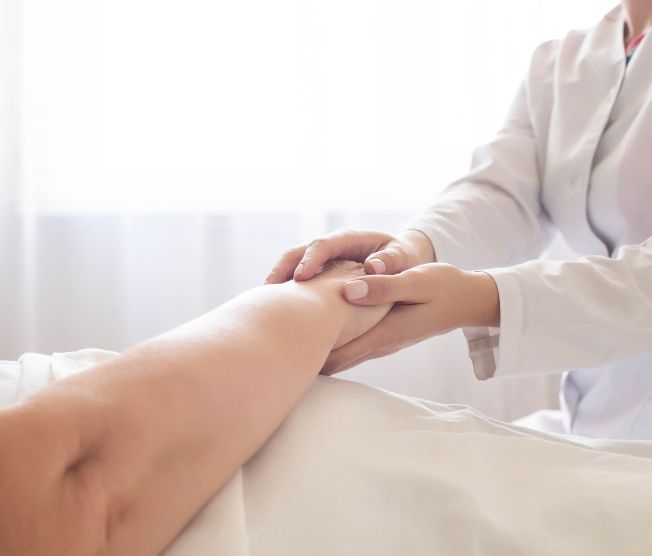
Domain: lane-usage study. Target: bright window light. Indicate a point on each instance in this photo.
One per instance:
(251, 104)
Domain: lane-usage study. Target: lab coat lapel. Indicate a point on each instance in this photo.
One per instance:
(588, 77)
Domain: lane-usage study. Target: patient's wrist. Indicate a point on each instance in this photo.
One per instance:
(327, 291)
(327, 284)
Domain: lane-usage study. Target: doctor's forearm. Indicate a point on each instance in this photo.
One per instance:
(119, 458)
(471, 299)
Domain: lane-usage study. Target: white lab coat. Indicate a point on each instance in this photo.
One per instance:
(556, 316)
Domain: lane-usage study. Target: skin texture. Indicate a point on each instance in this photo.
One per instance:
(117, 459)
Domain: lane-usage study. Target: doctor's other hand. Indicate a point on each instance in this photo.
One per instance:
(429, 300)
(381, 253)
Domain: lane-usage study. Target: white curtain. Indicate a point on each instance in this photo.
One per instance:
(157, 156)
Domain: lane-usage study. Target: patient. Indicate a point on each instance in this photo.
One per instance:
(217, 439)
(87, 464)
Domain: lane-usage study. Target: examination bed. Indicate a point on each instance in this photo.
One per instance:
(355, 470)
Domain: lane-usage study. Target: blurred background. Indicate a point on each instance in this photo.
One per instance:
(156, 157)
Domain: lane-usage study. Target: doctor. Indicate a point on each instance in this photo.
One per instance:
(575, 155)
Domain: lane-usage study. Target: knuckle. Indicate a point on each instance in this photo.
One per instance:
(420, 277)
(415, 276)
(396, 253)
(316, 243)
(321, 248)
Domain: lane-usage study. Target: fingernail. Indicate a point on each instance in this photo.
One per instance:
(378, 266)
(298, 270)
(356, 289)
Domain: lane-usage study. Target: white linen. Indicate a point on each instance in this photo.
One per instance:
(581, 118)
(356, 470)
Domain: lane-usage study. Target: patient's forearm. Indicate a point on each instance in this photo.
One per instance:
(138, 444)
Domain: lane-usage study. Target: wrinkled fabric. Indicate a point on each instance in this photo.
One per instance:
(355, 470)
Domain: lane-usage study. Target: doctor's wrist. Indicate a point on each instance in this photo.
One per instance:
(421, 245)
(482, 301)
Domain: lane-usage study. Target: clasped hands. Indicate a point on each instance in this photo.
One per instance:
(428, 298)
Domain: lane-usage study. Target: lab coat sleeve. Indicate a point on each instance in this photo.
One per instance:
(561, 315)
(493, 216)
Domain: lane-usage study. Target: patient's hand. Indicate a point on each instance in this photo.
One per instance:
(330, 281)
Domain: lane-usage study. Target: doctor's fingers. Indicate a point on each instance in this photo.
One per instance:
(342, 244)
(394, 257)
(341, 359)
(284, 267)
(418, 284)
(398, 330)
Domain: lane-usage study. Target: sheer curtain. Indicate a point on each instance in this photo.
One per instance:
(156, 157)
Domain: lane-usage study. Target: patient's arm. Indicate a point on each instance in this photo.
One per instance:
(117, 459)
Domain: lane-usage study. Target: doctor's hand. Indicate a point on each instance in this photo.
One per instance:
(429, 300)
(381, 253)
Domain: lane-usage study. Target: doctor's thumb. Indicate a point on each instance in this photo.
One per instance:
(376, 290)
(390, 260)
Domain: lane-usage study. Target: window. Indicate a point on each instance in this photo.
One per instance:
(252, 104)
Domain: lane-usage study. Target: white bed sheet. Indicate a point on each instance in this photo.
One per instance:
(356, 470)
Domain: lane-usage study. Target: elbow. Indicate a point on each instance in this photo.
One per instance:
(52, 505)
(91, 512)
(90, 487)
